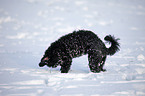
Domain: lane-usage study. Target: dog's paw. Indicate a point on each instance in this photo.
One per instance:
(103, 70)
(96, 71)
(64, 71)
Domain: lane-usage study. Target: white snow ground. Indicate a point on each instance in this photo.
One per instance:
(27, 27)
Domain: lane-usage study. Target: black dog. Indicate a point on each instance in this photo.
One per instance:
(78, 43)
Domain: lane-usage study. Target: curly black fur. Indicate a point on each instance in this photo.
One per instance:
(78, 43)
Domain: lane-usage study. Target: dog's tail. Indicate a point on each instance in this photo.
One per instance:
(114, 44)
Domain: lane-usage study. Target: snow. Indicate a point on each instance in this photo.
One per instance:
(141, 57)
(28, 27)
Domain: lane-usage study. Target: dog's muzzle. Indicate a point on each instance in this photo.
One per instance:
(41, 64)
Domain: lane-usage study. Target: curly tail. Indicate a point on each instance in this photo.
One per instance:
(114, 44)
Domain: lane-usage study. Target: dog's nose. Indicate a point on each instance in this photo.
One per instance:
(41, 64)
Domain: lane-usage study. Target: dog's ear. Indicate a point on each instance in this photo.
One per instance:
(44, 59)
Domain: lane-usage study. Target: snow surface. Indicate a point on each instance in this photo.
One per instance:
(28, 27)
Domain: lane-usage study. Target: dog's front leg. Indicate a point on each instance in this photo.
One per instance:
(65, 66)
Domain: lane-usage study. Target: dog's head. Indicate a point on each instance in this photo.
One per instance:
(49, 61)
(44, 61)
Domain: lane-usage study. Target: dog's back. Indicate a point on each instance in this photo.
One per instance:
(80, 42)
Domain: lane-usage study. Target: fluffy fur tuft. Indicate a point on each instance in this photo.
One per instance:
(114, 45)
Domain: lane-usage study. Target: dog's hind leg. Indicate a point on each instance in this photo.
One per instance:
(65, 66)
(95, 58)
(102, 64)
